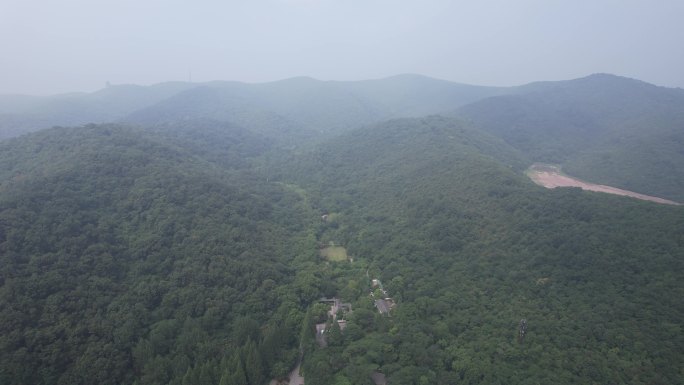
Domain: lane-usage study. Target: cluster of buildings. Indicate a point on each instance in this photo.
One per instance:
(381, 298)
(335, 306)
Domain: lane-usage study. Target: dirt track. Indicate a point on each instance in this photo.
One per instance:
(550, 177)
(295, 378)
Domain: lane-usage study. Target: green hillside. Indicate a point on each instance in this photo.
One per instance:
(125, 259)
(603, 128)
(468, 247)
(194, 246)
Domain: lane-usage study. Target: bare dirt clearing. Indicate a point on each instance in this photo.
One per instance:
(550, 177)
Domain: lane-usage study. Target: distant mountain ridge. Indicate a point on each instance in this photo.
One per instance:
(20, 114)
(604, 128)
(304, 103)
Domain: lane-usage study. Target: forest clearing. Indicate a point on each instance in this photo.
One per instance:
(334, 253)
(551, 177)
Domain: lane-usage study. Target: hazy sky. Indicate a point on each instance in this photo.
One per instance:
(50, 46)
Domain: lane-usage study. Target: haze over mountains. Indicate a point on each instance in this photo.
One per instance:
(604, 128)
(304, 102)
(171, 234)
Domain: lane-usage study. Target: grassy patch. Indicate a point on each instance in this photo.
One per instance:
(334, 253)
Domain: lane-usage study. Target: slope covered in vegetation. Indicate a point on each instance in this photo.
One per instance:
(128, 259)
(468, 248)
(603, 128)
(188, 250)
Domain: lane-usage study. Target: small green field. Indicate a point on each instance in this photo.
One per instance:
(334, 253)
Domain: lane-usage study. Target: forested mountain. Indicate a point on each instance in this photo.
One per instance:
(301, 107)
(126, 259)
(185, 245)
(21, 114)
(604, 128)
(468, 247)
(291, 108)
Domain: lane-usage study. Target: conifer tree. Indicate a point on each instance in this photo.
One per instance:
(205, 374)
(306, 335)
(191, 376)
(335, 334)
(239, 377)
(253, 364)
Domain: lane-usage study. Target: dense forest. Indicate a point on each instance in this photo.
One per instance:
(127, 259)
(607, 129)
(184, 244)
(469, 248)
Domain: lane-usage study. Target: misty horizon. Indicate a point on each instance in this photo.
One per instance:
(108, 84)
(79, 46)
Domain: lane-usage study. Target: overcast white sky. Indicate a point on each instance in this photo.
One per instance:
(50, 46)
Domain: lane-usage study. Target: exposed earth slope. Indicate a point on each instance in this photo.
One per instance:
(551, 177)
(603, 128)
